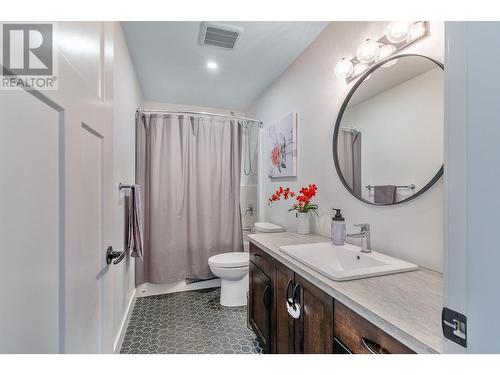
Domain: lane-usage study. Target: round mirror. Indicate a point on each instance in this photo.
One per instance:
(388, 143)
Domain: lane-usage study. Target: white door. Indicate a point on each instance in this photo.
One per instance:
(472, 180)
(56, 194)
(29, 224)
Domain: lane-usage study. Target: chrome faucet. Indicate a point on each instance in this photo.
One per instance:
(364, 234)
(249, 211)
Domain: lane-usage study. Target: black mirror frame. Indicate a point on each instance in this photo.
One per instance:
(339, 120)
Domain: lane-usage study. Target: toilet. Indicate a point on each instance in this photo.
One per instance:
(232, 269)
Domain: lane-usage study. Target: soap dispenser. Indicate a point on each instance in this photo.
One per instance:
(338, 228)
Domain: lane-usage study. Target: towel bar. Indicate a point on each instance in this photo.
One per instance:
(124, 186)
(411, 186)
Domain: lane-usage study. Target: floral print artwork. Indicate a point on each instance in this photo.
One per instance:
(283, 147)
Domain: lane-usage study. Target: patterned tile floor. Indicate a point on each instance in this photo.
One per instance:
(188, 322)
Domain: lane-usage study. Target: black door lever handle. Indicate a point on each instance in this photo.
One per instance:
(111, 255)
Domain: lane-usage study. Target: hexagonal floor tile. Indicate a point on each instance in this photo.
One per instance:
(188, 322)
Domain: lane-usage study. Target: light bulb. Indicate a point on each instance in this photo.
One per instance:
(212, 65)
(343, 68)
(417, 30)
(359, 69)
(368, 51)
(397, 31)
(385, 52)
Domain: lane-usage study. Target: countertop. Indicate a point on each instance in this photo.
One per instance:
(405, 305)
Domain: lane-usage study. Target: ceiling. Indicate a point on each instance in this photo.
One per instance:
(172, 66)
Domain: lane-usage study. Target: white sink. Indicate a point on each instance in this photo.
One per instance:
(346, 262)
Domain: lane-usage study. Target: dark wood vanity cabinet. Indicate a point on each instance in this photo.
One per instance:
(355, 334)
(323, 326)
(259, 305)
(311, 332)
(314, 327)
(283, 323)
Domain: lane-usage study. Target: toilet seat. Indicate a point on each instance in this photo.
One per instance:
(229, 260)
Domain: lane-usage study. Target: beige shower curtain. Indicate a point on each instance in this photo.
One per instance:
(189, 168)
(349, 156)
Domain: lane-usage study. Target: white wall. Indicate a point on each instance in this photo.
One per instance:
(402, 133)
(127, 97)
(411, 231)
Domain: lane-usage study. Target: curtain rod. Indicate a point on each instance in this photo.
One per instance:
(259, 122)
(350, 130)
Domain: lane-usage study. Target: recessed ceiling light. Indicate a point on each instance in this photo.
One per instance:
(211, 65)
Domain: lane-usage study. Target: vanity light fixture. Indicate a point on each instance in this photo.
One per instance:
(398, 36)
(386, 51)
(398, 31)
(359, 69)
(417, 31)
(343, 68)
(368, 51)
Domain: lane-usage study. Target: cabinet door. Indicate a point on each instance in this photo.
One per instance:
(314, 327)
(283, 323)
(259, 305)
(358, 335)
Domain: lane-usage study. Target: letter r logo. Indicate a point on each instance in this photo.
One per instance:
(27, 49)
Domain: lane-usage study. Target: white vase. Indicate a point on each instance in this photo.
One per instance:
(303, 226)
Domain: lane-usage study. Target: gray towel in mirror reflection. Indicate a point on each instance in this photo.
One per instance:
(385, 194)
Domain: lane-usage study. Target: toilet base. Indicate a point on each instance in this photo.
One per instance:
(234, 292)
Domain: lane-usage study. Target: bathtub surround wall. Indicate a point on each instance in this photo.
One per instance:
(412, 231)
(248, 204)
(249, 175)
(127, 97)
(250, 155)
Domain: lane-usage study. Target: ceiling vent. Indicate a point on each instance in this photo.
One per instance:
(219, 35)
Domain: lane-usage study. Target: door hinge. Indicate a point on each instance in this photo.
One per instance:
(454, 326)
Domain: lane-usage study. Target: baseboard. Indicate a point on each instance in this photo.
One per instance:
(123, 327)
(148, 289)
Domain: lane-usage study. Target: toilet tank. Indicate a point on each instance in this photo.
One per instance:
(259, 227)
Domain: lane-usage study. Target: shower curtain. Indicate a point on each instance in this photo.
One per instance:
(189, 167)
(349, 155)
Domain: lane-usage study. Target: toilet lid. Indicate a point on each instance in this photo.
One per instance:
(268, 227)
(229, 260)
